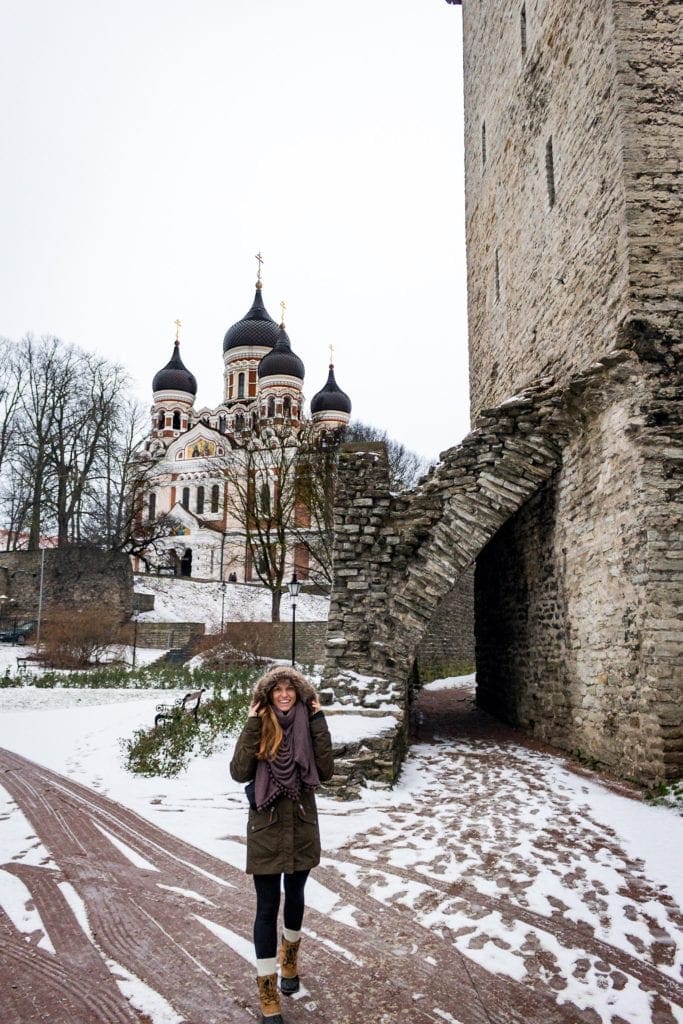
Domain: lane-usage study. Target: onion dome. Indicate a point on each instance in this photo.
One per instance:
(175, 376)
(331, 398)
(281, 362)
(256, 327)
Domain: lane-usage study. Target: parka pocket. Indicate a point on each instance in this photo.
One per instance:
(264, 840)
(306, 836)
(260, 820)
(307, 815)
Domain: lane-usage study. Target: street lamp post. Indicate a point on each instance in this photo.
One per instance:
(293, 587)
(135, 634)
(40, 599)
(3, 599)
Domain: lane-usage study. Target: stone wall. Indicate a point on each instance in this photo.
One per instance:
(447, 647)
(578, 601)
(167, 635)
(274, 639)
(551, 285)
(73, 577)
(574, 241)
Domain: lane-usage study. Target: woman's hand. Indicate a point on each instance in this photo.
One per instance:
(253, 709)
(314, 704)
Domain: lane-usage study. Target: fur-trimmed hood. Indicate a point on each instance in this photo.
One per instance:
(304, 690)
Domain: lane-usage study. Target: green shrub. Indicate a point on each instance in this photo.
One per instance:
(167, 749)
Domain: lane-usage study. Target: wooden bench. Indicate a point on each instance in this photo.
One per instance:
(22, 663)
(190, 702)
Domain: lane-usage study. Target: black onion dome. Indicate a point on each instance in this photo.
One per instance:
(175, 376)
(281, 361)
(256, 327)
(331, 398)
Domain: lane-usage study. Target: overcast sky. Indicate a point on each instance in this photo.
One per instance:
(151, 148)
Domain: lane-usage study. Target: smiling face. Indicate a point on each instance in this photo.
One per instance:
(283, 696)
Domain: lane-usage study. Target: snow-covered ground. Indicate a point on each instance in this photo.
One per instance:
(179, 600)
(515, 825)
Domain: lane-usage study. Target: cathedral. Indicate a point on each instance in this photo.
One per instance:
(195, 461)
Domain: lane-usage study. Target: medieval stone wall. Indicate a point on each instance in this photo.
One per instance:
(73, 577)
(649, 51)
(448, 645)
(578, 600)
(274, 639)
(529, 261)
(594, 104)
(579, 614)
(574, 234)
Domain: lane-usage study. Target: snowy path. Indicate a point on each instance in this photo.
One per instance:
(488, 887)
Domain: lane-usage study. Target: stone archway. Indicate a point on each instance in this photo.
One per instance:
(397, 556)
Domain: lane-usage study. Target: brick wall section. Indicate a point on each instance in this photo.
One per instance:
(73, 577)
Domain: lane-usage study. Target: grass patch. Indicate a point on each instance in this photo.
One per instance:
(147, 677)
(166, 750)
(431, 670)
(667, 794)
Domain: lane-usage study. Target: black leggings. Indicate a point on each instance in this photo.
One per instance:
(268, 905)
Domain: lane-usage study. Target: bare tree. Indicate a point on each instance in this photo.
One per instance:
(45, 386)
(67, 435)
(316, 483)
(81, 429)
(11, 390)
(262, 496)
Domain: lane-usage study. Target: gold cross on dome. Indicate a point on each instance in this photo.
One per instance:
(178, 325)
(259, 260)
(283, 307)
(331, 355)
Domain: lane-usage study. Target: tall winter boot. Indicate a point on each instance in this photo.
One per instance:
(269, 998)
(289, 970)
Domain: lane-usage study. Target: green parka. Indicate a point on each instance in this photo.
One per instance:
(284, 837)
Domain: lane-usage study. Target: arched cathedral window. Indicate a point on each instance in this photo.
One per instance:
(186, 498)
(161, 422)
(215, 497)
(287, 407)
(271, 406)
(200, 501)
(239, 421)
(176, 420)
(152, 506)
(240, 385)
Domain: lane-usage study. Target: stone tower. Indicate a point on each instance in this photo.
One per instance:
(573, 135)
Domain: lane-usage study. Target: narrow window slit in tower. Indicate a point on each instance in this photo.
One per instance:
(550, 170)
(483, 143)
(496, 275)
(522, 28)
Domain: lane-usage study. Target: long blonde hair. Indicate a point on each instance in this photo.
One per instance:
(271, 734)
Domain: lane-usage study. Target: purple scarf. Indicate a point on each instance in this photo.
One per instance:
(294, 764)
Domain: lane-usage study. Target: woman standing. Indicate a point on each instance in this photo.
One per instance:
(284, 752)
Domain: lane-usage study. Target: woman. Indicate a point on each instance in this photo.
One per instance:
(284, 753)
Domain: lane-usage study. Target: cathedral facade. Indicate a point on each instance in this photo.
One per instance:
(199, 467)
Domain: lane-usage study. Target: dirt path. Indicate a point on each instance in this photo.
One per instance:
(121, 897)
